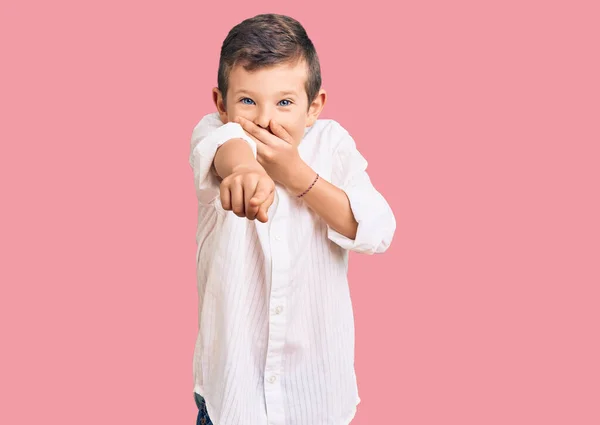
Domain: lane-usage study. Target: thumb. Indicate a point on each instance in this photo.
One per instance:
(262, 215)
(264, 189)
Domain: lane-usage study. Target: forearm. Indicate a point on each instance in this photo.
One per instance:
(328, 201)
(231, 154)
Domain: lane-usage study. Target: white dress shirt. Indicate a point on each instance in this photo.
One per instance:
(275, 343)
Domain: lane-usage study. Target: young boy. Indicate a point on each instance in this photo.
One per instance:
(282, 198)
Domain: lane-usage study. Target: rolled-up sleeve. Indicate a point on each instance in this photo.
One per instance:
(207, 136)
(376, 221)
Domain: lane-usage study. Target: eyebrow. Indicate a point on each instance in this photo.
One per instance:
(281, 93)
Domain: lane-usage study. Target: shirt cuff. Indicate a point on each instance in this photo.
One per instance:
(207, 184)
(376, 223)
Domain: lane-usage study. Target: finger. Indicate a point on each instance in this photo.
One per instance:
(262, 149)
(266, 155)
(258, 133)
(237, 199)
(281, 132)
(249, 189)
(225, 197)
(251, 211)
(264, 188)
(262, 215)
(258, 142)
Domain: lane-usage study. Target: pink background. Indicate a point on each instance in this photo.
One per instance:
(481, 124)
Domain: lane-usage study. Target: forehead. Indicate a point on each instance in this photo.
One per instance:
(266, 80)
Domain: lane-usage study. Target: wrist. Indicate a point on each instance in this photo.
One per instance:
(301, 179)
(251, 165)
(233, 154)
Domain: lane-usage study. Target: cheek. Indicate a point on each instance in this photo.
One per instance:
(298, 128)
(233, 111)
(297, 132)
(236, 109)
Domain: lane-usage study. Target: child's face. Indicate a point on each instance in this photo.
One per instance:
(276, 93)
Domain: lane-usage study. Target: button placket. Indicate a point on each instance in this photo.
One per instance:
(280, 263)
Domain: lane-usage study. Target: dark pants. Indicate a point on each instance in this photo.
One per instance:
(203, 418)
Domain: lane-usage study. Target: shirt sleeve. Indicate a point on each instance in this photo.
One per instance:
(207, 136)
(376, 221)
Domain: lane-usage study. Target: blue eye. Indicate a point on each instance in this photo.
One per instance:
(247, 103)
(288, 102)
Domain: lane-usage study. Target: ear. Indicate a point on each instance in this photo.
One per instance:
(220, 104)
(315, 108)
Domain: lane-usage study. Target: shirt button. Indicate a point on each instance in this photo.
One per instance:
(278, 309)
(272, 379)
(277, 238)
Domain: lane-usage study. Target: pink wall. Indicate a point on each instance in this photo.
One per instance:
(481, 125)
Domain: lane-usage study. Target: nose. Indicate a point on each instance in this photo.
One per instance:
(263, 118)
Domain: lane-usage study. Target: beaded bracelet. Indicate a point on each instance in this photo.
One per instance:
(311, 186)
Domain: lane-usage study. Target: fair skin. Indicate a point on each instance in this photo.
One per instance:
(272, 106)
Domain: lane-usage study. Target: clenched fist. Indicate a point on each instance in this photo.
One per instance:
(248, 191)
